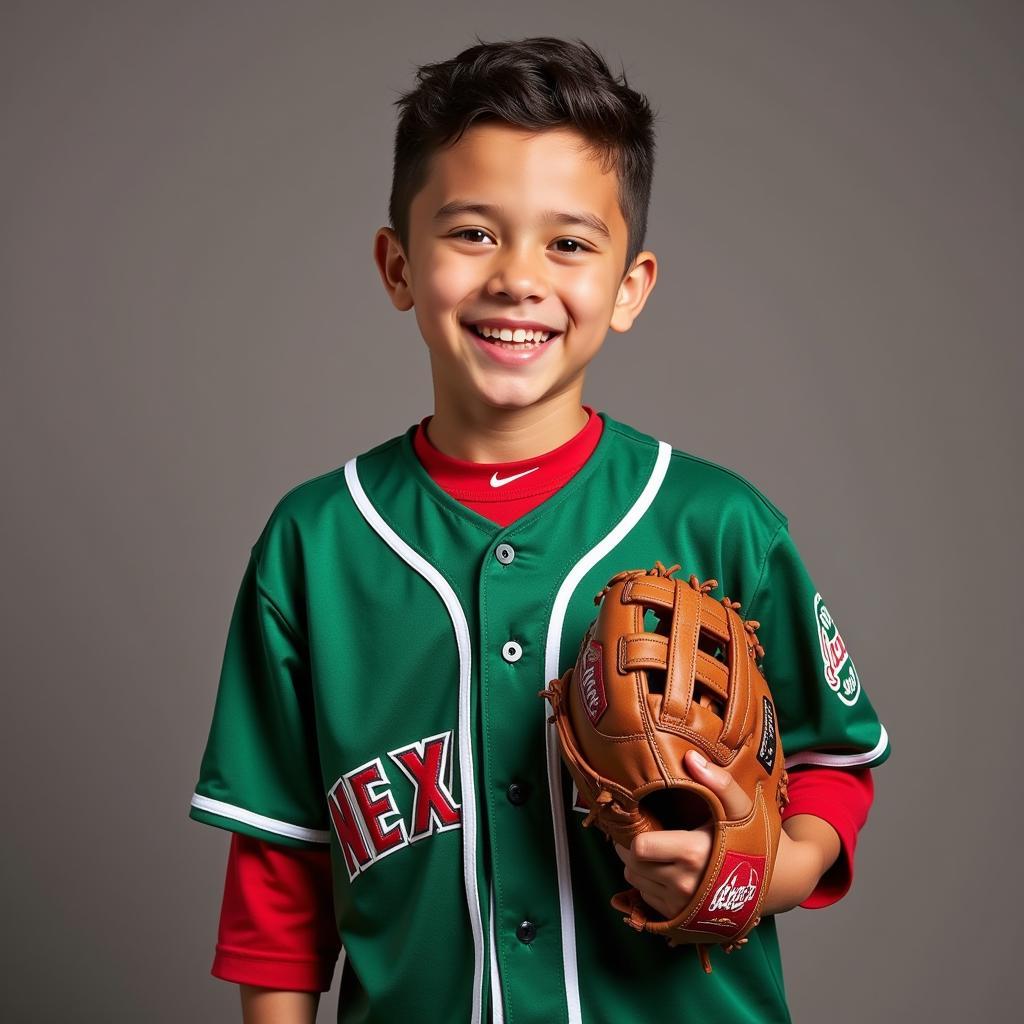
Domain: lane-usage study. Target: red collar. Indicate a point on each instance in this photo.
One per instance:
(483, 481)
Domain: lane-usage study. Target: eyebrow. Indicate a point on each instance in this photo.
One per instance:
(567, 218)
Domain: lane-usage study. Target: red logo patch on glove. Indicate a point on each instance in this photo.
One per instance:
(731, 901)
(595, 703)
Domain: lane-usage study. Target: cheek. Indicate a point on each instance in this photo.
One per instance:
(587, 297)
(448, 283)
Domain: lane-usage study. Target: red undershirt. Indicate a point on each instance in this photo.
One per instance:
(277, 926)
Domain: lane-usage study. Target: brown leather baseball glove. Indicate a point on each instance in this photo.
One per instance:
(635, 701)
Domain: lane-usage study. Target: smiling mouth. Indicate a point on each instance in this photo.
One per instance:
(512, 344)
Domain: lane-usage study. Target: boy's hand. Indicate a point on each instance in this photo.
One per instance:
(667, 867)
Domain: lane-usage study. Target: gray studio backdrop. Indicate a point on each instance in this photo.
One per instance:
(191, 324)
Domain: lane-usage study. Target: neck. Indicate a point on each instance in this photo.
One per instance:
(505, 435)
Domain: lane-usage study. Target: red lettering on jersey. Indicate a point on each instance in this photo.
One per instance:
(425, 762)
(376, 807)
(353, 847)
(836, 650)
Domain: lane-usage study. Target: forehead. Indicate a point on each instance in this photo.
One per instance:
(524, 173)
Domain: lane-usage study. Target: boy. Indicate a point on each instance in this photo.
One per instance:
(377, 734)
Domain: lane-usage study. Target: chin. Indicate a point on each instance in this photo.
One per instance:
(513, 395)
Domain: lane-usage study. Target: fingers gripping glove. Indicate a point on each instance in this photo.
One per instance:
(635, 701)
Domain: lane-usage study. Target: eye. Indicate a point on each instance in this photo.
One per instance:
(580, 246)
(577, 245)
(470, 231)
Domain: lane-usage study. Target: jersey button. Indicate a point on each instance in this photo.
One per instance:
(504, 553)
(511, 652)
(526, 932)
(517, 794)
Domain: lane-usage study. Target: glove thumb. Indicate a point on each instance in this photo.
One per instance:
(735, 801)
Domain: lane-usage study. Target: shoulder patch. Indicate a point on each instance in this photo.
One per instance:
(840, 672)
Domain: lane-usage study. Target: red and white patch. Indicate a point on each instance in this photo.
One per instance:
(591, 682)
(731, 901)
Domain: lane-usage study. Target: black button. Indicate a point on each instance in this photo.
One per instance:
(517, 793)
(526, 932)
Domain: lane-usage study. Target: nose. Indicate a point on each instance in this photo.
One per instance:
(519, 273)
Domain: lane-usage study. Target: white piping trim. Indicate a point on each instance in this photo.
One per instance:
(840, 760)
(497, 1002)
(462, 640)
(280, 828)
(551, 659)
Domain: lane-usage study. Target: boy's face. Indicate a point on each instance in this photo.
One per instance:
(509, 259)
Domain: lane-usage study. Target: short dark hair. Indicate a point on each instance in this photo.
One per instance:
(534, 83)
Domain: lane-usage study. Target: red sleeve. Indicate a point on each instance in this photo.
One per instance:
(277, 924)
(842, 797)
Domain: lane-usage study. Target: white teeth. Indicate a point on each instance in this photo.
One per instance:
(506, 334)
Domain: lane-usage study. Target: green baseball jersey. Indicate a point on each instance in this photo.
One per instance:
(379, 693)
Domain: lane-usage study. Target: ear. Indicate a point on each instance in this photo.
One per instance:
(393, 267)
(633, 291)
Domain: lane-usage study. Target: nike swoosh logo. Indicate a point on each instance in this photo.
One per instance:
(497, 481)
